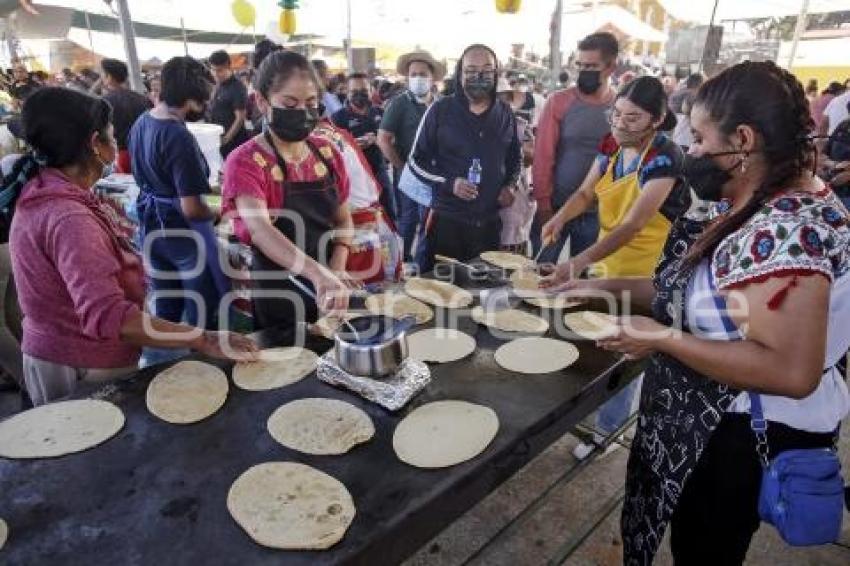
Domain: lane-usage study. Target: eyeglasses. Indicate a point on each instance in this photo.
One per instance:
(475, 71)
(631, 119)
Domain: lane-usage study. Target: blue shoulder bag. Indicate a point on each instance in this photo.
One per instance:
(802, 491)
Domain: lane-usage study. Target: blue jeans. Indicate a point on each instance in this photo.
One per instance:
(582, 232)
(617, 409)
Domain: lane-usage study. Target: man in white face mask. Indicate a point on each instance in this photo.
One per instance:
(398, 132)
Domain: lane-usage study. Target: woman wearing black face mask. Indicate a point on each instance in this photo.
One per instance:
(761, 289)
(173, 176)
(287, 190)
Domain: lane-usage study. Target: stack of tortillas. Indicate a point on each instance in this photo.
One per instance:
(438, 293)
(60, 428)
(444, 433)
(592, 325)
(536, 355)
(528, 284)
(4, 533)
(187, 392)
(440, 345)
(399, 305)
(277, 367)
(320, 426)
(290, 506)
(510, 320)
(507, 260)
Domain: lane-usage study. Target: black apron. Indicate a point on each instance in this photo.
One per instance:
(679, 410)
(316, 204)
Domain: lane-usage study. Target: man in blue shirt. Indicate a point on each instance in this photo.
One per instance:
(172, 175)
(471, 124)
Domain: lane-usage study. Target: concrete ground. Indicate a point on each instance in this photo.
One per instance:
(487, 536)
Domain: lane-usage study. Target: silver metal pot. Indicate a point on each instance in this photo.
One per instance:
(382, 356)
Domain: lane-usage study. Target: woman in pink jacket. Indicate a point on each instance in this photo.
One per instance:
(80, 282)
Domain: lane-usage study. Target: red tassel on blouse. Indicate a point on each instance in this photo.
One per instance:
(776, 301)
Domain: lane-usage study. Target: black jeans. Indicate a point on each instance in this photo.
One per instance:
(717, 514)
(462, 240)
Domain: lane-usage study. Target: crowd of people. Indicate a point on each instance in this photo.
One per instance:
(689, 197)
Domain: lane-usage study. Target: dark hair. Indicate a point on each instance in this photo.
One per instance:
(58, 124)
(115, 69)
(694, 81)
(770, 100)
(603, 42)
(358, 76)
(563, 77)
(835, 88)
(458, 77)
(812, 86)
(263, 49)
(320, 66)
(279, 67)
(184, 79)
(220, 58)
(648, 94)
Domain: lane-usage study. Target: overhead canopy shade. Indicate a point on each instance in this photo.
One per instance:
(699, 11)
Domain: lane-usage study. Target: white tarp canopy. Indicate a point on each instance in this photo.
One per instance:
(111, 45)
(699, 11)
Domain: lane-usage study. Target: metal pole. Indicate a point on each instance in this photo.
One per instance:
(798, 31)
(185, 41)
(349, 54)
(555, 42)
(129, 37)
(91, 41)
(708, 36)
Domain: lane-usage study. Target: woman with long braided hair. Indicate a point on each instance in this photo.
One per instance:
(752, 298)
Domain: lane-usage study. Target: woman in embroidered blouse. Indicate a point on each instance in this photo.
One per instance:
(762, 293)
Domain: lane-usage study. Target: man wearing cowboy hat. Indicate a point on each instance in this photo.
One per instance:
(398, 132)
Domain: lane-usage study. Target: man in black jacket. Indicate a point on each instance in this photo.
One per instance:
(460, 132)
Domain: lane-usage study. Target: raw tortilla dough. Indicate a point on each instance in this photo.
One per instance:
(187, 392)
(440, 345)
(524, 280)
(60, 428)
(438, 293)
(4, 533)
(510, 320)
(399, 305)
(506, 260)
(277, 367)
(320, 426)
(536, 355)
(444, 433)
(591, 325)
(290, 506)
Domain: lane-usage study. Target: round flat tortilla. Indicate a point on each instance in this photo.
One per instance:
(277, 367)
(438, 293)
(320, 426)
(290, 506)
(510, 320)
(444, 433)
(399, 305)
(329, 324)
(592, 325)
(506, 260)
(529, 281)
(59, 428)
(536, 355)
(4, 533)
(187, 392)
(440, 345)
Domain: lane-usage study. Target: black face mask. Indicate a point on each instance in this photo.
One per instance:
(293, 124)
(359, 98)
(196, 116)
(706, 177)
(589, 81)
(479, 86)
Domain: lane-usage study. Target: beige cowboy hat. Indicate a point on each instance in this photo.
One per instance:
(405, 60)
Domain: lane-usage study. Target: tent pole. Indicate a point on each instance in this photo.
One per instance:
(91, 41)
(349, 52)
(708, 36)
(185, 42)
(129, 36)
(555, 42)
(798, 31)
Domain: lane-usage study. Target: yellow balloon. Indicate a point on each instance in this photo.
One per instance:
(508, 6)
(244, 13)
(287, 22)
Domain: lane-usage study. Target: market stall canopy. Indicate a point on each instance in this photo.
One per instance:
(700, 10)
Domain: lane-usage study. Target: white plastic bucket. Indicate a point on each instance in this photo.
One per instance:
(209, 139)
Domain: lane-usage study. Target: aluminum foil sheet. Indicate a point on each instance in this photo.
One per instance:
(392, 393)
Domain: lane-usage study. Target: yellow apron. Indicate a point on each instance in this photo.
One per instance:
(639, 257)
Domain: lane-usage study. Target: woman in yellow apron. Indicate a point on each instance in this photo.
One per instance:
(636, 184)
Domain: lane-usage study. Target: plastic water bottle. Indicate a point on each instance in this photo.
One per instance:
(474, 175)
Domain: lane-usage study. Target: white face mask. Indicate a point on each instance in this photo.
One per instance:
(420, 86)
